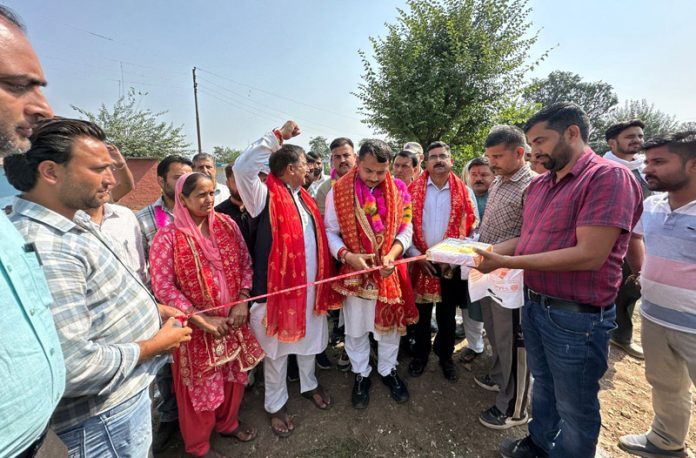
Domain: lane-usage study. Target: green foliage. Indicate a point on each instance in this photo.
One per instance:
(446, 70)
(320, 145)
(136, 132)
(597, 98)
(225, 155)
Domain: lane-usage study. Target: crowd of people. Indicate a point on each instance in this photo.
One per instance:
(209, 281)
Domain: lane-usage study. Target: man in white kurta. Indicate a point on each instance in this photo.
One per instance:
(255, 196)
(359, 312)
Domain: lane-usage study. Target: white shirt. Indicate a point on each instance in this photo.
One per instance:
(436, 214)
(122, 226)
(222, 193)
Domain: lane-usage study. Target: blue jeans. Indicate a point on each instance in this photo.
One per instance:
(567, 354)
(124, 431)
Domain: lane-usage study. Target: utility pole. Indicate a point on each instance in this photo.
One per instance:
(195, 99)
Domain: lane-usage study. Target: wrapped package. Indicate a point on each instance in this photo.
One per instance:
(456, 251)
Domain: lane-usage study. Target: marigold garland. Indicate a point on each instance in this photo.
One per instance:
(375, 207)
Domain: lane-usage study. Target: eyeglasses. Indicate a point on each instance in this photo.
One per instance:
(438, 157)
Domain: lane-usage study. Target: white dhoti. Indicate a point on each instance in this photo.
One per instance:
(359, 319)
(314, 342)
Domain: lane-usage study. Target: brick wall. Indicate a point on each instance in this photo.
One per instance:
(146, 188)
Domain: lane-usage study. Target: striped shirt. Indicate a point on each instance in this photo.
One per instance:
(100, 308)
(148, 223)
(668, 276)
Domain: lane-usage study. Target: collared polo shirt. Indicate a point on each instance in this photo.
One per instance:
(596, 192)
(668, 276)
(32, 373)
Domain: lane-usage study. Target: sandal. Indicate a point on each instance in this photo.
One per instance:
(243, 433)
(468, 356)
(281, 415)
(324, 401)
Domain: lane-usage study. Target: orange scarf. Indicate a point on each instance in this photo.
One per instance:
(461, 221)
(203, 355)
(395, 308)
(286, 313)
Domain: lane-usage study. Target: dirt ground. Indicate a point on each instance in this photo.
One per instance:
(439, 421)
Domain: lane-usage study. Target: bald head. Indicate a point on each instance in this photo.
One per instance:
(22, 103)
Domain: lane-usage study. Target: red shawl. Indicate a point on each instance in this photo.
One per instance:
(286, 313)
(461, 221)
(395, 307)
(239, 350)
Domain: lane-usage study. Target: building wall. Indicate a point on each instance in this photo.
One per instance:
(146, 189)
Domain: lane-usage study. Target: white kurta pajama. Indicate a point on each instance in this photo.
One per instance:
(359, 314)
(254, 194)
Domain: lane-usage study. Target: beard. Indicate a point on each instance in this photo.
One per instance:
(8, 144)
(629, 151)
(667, 184)
(559, 157)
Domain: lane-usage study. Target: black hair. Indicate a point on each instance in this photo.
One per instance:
(375, 148)
(286, 155)
(192, 181)
(52, 140)
(681, 143)
(340, 141)
(229, 170)
(313, 156)
(477, 161)
(615, 130)
(560, 116)
(511, 137)
(10, 16)
(164, 164)
(408, 154)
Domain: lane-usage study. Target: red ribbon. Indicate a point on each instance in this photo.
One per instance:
(183, 318)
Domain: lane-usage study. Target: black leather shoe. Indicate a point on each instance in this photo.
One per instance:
(163, 434)
(360, 397)
(397, 387)
(521, 448)
(416, 367)
(448, 370)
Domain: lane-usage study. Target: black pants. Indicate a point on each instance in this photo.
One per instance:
(625, 304)
(453, 294)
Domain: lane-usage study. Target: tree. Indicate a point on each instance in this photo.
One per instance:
(225, 154)
(136, 132)
(320, 145)
(445, 70)
(597, 98)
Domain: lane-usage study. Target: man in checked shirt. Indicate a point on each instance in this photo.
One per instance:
(108, 323)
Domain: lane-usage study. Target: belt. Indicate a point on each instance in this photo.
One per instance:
(571, 306)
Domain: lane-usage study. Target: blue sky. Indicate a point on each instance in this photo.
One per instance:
(264, 61)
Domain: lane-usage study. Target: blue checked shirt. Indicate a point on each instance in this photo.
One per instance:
(101, 309)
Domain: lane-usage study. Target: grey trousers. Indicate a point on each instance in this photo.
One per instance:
(670, 368)
(509, 362)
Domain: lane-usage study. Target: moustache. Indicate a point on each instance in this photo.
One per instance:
(479, 182)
